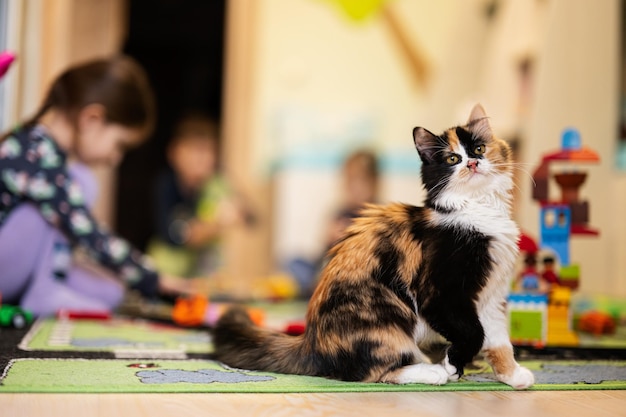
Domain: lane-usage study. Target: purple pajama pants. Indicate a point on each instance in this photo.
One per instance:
(36, 268)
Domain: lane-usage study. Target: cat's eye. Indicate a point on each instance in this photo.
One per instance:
(453, 159)
(479, 150)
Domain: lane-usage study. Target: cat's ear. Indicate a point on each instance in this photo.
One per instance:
(478, 123)
(426, 144)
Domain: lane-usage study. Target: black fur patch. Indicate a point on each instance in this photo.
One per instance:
(468, 141)
(455, 268)
(350, 365)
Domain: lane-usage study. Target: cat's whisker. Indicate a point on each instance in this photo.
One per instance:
(440, 185)
(524, 171)
(517, 187)
(518, 166)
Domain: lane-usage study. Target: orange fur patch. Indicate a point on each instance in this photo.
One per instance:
(501, 360)
(453, 140)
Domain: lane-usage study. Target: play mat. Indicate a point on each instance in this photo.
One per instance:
(98, 375)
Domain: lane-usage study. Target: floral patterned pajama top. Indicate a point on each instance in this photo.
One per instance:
(33, 169)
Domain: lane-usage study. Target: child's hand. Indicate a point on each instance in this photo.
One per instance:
(183, 287)
(201, 232)
(175, 286)
(230, 213)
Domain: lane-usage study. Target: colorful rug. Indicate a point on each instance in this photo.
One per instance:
(128, 355)
(189, 376)
(139, 335)
(123, 337)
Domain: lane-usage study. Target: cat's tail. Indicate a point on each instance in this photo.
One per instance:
(241, 344)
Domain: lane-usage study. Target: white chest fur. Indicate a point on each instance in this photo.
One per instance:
(492, 219)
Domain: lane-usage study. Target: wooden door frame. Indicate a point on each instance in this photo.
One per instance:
(248, 250)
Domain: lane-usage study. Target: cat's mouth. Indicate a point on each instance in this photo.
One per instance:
(475, 171)
(475, 174)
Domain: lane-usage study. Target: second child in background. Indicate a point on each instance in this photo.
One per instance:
(360, 186)
(194, 203)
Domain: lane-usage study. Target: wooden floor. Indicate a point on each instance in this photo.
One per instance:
(431, 404)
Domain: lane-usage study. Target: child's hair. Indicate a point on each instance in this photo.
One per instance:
(365, 161)
(118, 83)
(194, 128)
(195, 125)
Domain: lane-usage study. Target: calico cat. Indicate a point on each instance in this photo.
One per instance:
(406, 281)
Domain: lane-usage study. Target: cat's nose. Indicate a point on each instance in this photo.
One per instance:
(472, 164)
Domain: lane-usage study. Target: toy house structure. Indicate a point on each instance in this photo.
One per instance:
(536, 317)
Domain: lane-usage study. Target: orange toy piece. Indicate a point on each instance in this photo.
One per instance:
(190, 311)
(596, 323)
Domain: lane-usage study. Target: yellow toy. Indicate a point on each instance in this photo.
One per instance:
(560, 331)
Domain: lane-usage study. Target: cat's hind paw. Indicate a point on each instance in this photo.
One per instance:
(421, 373)
(521, 378)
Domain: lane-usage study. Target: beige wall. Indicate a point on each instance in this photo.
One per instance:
(318, 74)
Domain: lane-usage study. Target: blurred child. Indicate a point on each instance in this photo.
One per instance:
(360, 184)
(90, 115)
(194, 204)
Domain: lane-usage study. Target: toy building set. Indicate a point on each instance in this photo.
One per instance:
(540, 305)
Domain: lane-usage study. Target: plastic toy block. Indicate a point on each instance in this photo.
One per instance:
(528, 318)
(555, 229)
(570, 276)
(580, 212)
(541, 178)
(570, 272)
(527, 327)
(572, 149)
(559, 328)
(527, 300)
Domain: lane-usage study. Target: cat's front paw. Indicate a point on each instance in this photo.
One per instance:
(521, 378)
(453, 373)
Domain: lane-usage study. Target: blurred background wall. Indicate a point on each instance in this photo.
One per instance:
(328, 78)
(307, 81)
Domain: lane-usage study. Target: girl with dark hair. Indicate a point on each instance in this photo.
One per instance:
(90, 115)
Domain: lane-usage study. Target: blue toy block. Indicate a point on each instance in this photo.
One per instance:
(570, 139)
(555, 229)
(528, 298)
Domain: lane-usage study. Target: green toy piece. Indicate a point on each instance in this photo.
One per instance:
(14, 316)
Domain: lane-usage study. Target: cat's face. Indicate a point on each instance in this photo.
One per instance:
(464, 162)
